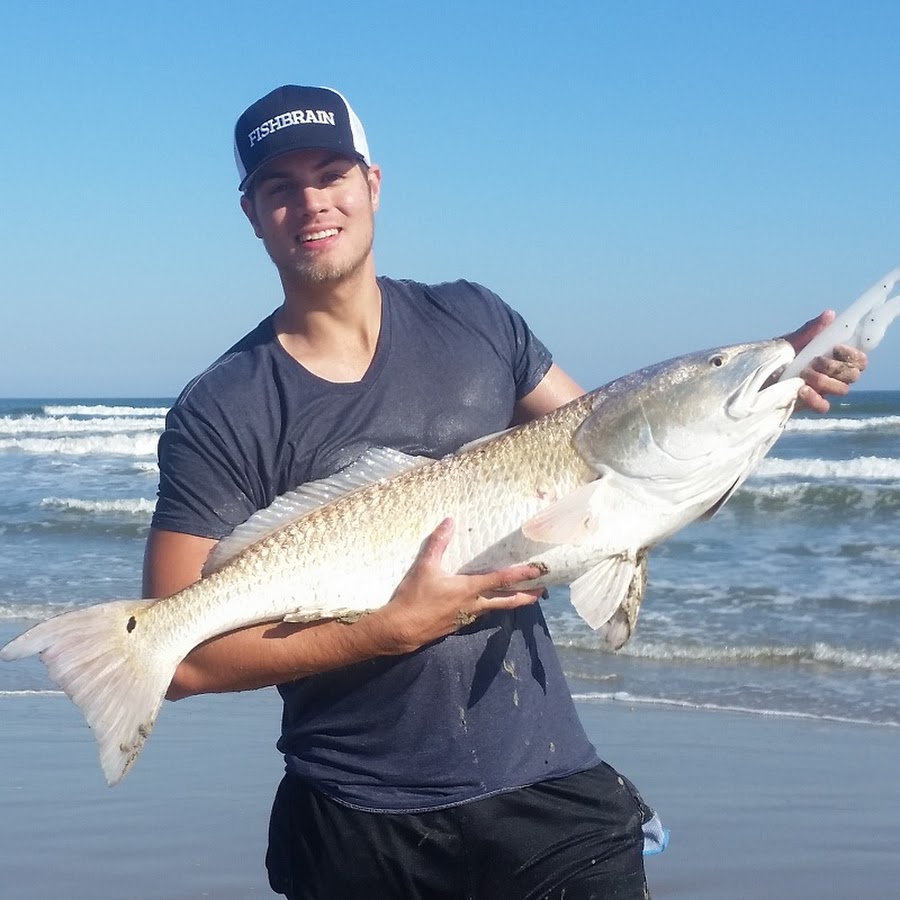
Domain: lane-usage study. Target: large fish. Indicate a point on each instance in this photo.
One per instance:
(584, 492)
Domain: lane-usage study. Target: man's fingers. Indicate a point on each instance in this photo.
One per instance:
(493, 591)
(853, 357)
(482, 605)
(837, 369)
(831, 375)
(436, 543)
(504, 580)
(812, 400)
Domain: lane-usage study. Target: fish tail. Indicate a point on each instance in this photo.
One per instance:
(101, 657)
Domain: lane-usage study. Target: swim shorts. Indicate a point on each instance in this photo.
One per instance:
(575, 837)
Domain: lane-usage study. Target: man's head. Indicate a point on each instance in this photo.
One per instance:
(294, 118)
(309, 188)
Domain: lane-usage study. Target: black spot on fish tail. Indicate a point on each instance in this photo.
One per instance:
(132, 623)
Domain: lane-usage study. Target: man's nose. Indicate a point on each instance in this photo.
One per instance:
(312, 200)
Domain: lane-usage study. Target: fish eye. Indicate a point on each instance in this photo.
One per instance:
(718, 360)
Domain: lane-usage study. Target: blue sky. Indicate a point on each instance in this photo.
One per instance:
(638, 179)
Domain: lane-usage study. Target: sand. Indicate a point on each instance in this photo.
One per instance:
(758, 807)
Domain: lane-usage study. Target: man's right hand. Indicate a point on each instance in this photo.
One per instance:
(430, 603)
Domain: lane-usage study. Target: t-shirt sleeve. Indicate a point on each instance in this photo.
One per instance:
(203, 487)
(529, 358)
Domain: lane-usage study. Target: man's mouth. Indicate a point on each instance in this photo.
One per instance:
(318, 235)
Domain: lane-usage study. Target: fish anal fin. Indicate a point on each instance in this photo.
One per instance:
(620, 627)
(601, 591)
(573, 519)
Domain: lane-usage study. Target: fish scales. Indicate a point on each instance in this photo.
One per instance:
(373, 534)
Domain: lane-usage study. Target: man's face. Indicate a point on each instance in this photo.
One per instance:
(314, 211)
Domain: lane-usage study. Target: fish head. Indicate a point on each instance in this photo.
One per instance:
(699, 422)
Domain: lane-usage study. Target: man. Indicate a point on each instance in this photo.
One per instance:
(409, 771)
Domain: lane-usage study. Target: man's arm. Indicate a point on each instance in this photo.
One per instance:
(824, 375)
(426, 606)
(555, 389)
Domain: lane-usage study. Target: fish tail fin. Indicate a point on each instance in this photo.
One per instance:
(101, 657)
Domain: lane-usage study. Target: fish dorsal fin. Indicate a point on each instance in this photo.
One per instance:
(572, 519)
(376, 464)
(471, 445)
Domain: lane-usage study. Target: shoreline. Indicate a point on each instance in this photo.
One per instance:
(757, 806)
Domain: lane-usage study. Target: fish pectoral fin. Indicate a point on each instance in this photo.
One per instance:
(721, 501)
(599, 592)
(572, 519)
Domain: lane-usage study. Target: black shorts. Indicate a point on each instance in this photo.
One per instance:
(575, 837)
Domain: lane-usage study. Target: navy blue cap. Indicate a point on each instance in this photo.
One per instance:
(296, 118)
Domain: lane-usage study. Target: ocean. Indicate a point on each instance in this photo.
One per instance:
(786, 603)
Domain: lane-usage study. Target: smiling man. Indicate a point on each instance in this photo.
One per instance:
(428, 754)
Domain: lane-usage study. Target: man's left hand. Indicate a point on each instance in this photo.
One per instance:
(825, 374)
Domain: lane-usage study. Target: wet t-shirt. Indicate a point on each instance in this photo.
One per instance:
(483, 710)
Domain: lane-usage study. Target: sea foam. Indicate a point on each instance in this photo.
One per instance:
(863, 467)
(28, 425)
(101, 410)
(143, 444)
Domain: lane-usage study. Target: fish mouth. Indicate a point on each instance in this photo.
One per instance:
(763, 392)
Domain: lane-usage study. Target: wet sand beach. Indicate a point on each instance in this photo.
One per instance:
(758, 807)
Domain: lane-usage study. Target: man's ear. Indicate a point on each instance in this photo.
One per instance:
(373, 176)
(250, 212)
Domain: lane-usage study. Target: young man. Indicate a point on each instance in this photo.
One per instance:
(422, 759)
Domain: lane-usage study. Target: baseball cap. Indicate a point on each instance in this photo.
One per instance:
(296, 118)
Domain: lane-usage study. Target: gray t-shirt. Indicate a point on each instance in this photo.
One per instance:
(483, 710)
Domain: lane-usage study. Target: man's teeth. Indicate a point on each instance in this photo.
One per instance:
(319, 235)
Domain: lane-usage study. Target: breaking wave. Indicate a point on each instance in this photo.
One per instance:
(134, 507)
(861, 468)
(27, 425)
(36, 611)
(802, 425)
(79, 409)
(803, 497)
(820, 653)
(625, 697)
(45, 693)
(142, 444)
